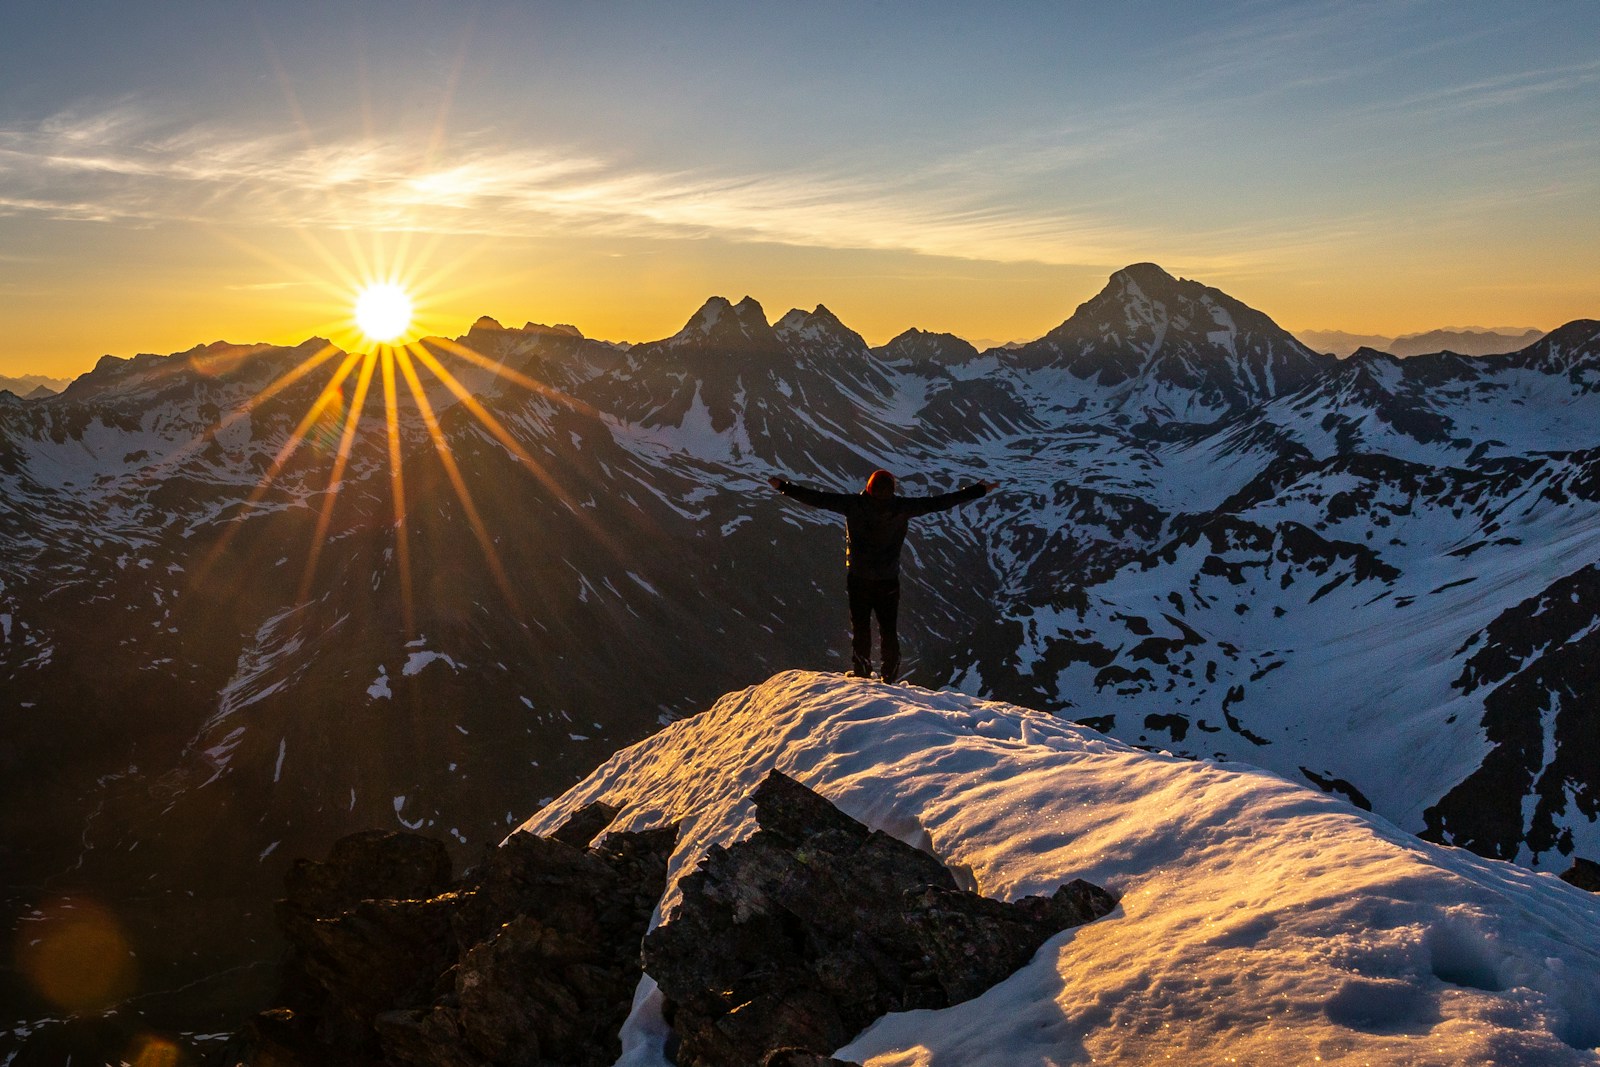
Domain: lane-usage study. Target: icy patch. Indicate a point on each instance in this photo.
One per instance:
(379, 689)
(399, 806)
(249, 683)
(418, 660)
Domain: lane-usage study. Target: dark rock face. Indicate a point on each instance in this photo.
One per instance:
(799, 1057)
(1585, 874)
(1539, 663)
(533, 958)
(800, 936)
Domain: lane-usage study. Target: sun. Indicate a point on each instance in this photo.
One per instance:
(405, 354)
(383, 311)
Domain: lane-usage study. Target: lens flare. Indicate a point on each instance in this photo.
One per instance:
(75, 956)
(383, 311)
(153, 1051)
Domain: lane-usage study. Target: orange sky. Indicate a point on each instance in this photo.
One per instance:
(171, 177)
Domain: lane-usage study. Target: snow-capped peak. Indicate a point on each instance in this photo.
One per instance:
(721, 324)
(819, 327)
(1154, 339)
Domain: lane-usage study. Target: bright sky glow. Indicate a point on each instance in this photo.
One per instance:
(383, 311)
(190, 171)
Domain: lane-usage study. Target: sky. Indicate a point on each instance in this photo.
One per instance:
(182, 172)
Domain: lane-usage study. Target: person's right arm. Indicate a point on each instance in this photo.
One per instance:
(816, 498)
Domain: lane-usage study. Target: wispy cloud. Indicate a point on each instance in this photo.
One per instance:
(123, 165)
(1508, 90)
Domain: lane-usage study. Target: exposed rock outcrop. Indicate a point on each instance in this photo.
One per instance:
(801, 935)
(784, 947)
(1585, 874)
(532, 958)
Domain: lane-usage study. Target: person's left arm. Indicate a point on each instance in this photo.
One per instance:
(942, 501)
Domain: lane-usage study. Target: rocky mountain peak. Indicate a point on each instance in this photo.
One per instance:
(820, 326)
(922, 346)
(561, 327)
(1564, 348)
(1148, 277)
(1364, 354)
(720, 324)
(1167, 332)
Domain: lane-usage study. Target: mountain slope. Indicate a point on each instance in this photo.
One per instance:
(1260, 920)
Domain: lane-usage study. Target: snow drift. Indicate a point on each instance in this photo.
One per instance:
(1261, 921)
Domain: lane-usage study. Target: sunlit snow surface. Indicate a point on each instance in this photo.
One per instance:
(1261, 921)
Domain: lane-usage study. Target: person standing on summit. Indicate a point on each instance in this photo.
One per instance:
(875, 522)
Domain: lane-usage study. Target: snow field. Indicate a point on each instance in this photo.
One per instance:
(1261, 921)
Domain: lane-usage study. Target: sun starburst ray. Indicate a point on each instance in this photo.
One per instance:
(290, 377)
(500, 370)
(336, 480)
(243, 411)
(497, 429)
(330, 393)
(453, 472)
(397, 490)
(472, 404)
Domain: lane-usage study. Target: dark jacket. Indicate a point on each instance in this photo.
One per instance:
(875, 527)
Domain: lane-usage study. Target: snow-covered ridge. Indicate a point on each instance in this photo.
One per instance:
(1261, 921)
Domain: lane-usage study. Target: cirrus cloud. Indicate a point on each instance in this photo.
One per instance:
(123, 165)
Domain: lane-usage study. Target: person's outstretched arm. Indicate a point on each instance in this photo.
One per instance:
(816, 498)
(922, 505)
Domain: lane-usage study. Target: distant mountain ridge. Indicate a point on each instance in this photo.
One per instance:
(1370, 574)
(1465, 342)
(33, 386)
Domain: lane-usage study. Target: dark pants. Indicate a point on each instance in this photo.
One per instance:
(868, 597)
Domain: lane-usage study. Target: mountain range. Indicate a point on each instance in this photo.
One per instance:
(1374, 575)
(1465, 342)
(33, 386)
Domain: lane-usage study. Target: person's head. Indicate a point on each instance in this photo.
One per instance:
(880, 484)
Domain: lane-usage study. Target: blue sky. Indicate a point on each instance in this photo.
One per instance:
(1376, 167)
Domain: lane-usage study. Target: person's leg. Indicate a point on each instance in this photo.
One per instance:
(860, 627)
(888, 611)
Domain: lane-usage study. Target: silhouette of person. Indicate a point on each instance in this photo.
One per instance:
(875, 522)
